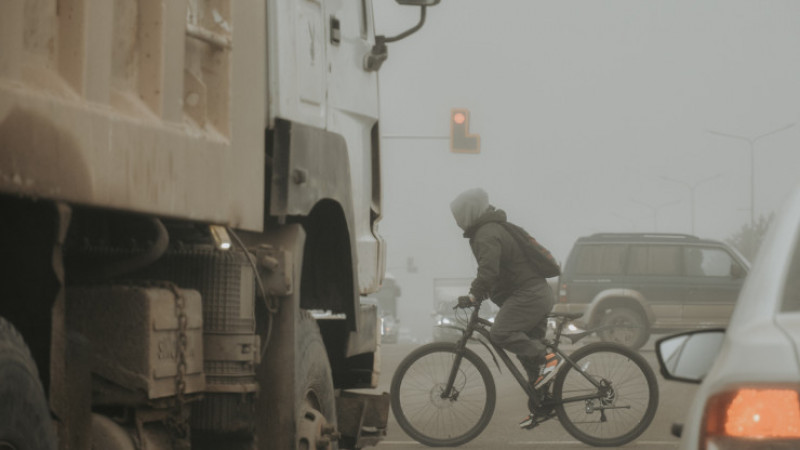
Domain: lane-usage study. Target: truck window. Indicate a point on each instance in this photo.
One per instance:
(364, 19)
(791, 291)
(662, 260)
(602, 259)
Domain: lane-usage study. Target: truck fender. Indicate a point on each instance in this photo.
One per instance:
(311, 174)
(630, 298)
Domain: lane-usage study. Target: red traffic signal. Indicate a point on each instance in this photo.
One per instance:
(460, 139)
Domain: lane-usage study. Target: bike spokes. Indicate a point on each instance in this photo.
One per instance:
(428, 411)
(623, 405)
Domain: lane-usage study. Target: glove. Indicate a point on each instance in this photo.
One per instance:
(465, 301)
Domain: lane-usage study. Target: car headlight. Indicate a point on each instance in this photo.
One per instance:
(444, 321)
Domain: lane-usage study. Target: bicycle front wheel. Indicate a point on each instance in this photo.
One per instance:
(423, 410)
(628, 403)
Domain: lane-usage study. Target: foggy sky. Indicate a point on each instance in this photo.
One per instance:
(583, 108)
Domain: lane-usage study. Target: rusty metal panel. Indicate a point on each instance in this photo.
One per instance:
(367, 338)
(96, 109)
(133, 334)
(362, 417)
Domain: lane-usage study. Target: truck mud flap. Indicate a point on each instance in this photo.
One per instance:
(362, 418)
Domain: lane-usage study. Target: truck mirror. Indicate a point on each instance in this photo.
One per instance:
(375, 58)
(737, 271)
(419, 2)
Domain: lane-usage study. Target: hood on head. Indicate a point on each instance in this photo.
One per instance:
(468, 206)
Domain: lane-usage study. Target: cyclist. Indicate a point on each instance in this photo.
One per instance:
(506, 276)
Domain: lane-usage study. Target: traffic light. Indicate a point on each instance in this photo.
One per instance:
(460, 139)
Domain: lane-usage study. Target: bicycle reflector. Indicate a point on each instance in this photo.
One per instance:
(752, 417)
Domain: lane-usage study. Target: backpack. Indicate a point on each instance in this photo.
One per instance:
(540, 258)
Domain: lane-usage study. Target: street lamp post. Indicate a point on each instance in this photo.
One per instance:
(692, 187)
(655, 209)
(752, 141)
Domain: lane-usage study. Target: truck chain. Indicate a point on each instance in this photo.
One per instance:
(178, 422)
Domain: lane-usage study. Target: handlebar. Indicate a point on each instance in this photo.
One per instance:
(465, 302)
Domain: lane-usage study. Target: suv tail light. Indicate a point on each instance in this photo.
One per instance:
(562, 293)
(752, 417)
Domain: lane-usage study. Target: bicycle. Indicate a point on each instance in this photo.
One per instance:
(604, 394)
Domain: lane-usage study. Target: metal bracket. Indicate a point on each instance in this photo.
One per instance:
(275, 268)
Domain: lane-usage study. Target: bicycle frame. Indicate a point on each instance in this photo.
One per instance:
(482, 327)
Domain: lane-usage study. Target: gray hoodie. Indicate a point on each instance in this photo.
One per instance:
(468, 206)
(503, 268)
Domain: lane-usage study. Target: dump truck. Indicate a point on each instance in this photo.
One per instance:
(190, 193)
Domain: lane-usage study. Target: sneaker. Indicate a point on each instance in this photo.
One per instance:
(552, 363)
(528, 422)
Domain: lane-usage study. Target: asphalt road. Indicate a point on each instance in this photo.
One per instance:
(503, 431)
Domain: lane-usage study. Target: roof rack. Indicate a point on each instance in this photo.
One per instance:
(675, 236)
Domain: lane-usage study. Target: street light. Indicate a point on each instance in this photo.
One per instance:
(752, 141)
(692, 187)
(655, 209)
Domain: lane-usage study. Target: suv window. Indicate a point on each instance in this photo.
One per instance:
(707, 262)
(663, 260)
(602, 259)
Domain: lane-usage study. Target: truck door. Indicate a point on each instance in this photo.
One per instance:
(297, 61)
(352, 112)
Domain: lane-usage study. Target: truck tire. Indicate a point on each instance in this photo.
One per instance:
(25, 422)
(625, 327)
(314, 395)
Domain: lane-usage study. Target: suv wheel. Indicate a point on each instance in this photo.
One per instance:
(625, 326)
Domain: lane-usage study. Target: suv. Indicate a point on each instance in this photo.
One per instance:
(633, 284)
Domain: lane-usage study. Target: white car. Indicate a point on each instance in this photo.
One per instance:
(750, 392)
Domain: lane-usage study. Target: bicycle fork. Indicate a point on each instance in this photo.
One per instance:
(461, 345)
(449, 391)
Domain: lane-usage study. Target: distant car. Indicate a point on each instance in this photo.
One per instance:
(750, 392)
(633, 284)
(448, 322)
(389, 324)
(390, 329)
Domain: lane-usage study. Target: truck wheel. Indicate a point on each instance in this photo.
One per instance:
(25, 422)
(314, 396)
(626, 327)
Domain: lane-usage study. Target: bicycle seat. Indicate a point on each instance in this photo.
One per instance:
(570, 316)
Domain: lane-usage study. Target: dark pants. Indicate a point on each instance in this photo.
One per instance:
(521, 324)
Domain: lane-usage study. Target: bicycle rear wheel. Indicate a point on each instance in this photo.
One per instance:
(629, 403)
(417, 402)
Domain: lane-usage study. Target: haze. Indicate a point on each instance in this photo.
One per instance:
(587, 112)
